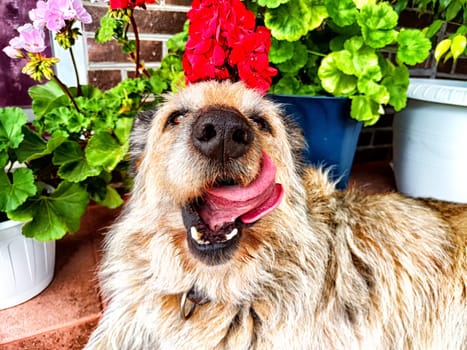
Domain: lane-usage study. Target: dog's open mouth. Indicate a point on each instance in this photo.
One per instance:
(214, 222)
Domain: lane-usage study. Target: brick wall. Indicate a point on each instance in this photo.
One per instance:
(107, 65)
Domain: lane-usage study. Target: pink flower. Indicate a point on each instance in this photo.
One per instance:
(11, 52)
(81, 14)
(53, 13)
(32, 39)
(38, 14)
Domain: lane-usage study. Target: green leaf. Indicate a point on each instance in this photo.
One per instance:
(378, 22)
(271, 3)
(298, 60)
(333, 79)
(104, 151)
(442, 47)
(34, 147)
(458, 45)
(177, 42)
(107, 28)
(294, 19)
(123, 128)
(281, 50)
(396, 81)
(364, 109)
(413, 46)
(342, 12)
(453, 9)
(12, 120)
(288, 84)
(433, 28)
(368, 87)
(111, 200)
(51, 217)
(46, 97)
(13, 194)
(73, 165)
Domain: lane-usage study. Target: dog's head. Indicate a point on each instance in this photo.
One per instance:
(216, 160)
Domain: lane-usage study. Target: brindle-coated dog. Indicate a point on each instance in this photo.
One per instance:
(229, 242)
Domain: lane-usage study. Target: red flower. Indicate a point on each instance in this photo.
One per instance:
(223, 44)
(123, 4)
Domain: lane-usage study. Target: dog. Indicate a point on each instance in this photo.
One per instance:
(228, 241)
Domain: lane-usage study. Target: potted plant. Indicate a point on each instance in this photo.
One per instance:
(339, 63)
(429, 135)
(327, 48)
(75, 150)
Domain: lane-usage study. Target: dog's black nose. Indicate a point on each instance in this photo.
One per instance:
(222, 133)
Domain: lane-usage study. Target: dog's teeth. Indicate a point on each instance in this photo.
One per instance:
(231, 234)
(197, 236)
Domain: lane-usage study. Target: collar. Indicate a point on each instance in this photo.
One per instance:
(189, 301)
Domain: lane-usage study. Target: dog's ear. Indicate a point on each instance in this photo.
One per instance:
(138, 138)
(297, 142)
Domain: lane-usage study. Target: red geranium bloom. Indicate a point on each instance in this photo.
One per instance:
(123, 4)
(223, 44)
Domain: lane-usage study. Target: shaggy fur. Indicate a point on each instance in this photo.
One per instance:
(325, 270)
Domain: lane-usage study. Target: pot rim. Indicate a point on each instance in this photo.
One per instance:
(445, 91)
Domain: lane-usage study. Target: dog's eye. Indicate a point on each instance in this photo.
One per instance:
(175, 118)
(261, 123)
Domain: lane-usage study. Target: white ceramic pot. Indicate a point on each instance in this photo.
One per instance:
(430, 141)
(26, 265)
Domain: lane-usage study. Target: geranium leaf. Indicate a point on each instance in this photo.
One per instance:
(288, 84)
(51, 217)
(111, 200)
(413, 46)
(342, 12)
(34, 147)
(12, 120)
(298, 60)
(396, 81)
(364, 109)
(14, 193)
(271, 3)
(46, 97)
(123, 129)
(372, 89)
(334, 80)
(104, 151)
(281, 51)
(377, 22)
(289, 21)
(73, 165)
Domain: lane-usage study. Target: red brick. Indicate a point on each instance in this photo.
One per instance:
(104, 79)
(149, 22)
(150, 51)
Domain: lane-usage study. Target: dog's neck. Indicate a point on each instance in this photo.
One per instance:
(189, 301)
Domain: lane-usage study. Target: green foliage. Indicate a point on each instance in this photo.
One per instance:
(445, 14)
(340, 48)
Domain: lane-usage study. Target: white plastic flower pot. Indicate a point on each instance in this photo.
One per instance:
(26, 265)
(430, 141)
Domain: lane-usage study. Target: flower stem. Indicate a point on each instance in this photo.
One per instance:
(75, 68)
(316, 53)
(66, 91)
(135, 30)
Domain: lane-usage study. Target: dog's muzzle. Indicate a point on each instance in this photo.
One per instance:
(215, 221)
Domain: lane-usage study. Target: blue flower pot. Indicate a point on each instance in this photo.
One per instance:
(330, 133)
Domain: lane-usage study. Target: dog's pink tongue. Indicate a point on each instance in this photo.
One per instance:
(249, 203)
